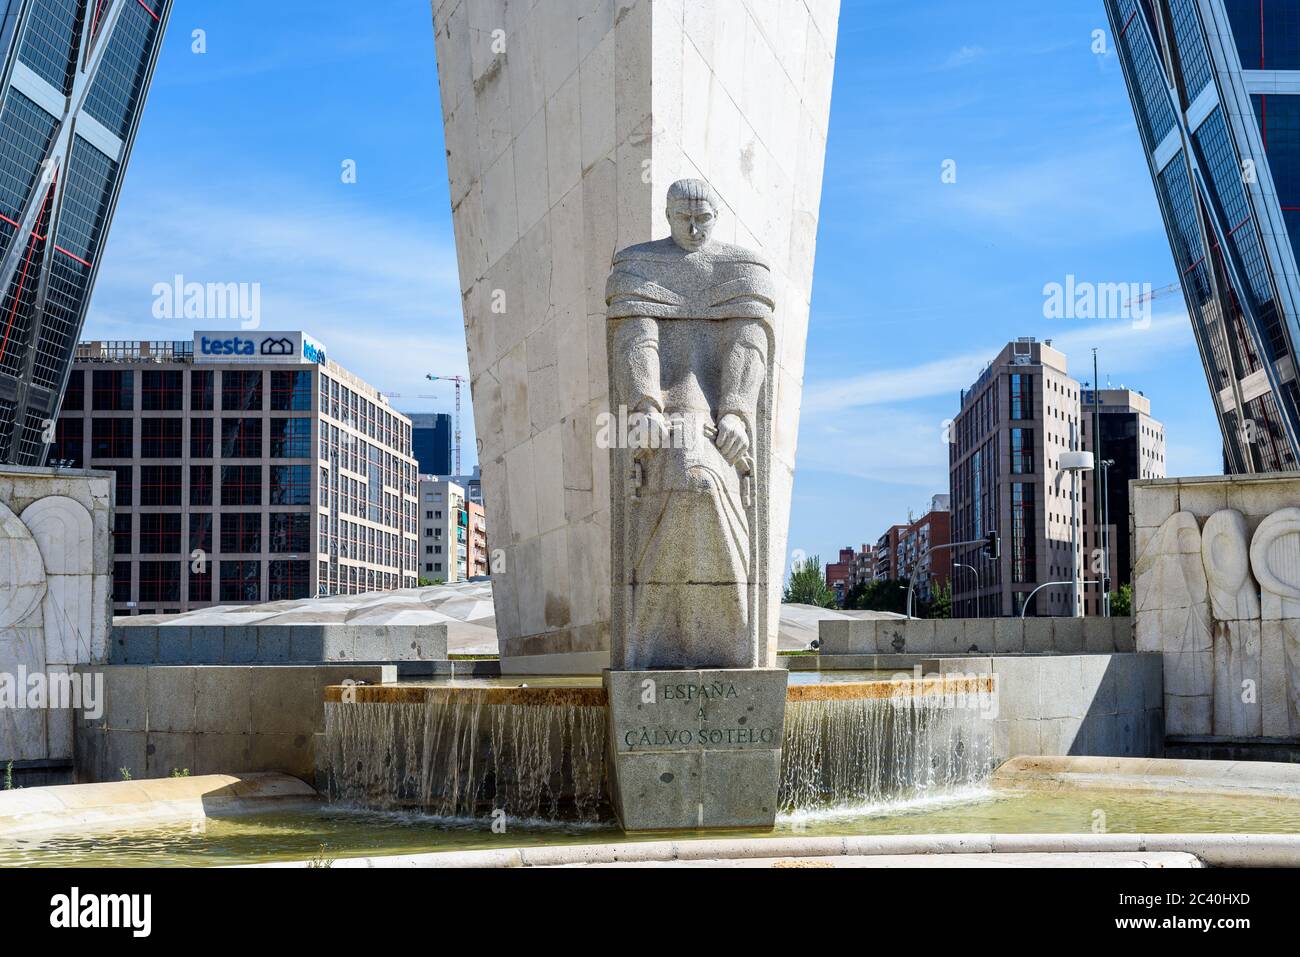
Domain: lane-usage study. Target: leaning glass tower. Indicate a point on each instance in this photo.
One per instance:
(73, 79)
(1215, 86)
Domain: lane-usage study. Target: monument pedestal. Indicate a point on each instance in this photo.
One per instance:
(696, 749)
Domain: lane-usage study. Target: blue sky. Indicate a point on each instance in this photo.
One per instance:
(236, 176)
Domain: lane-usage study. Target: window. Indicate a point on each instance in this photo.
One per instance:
(1267, 33)
(201, 533)
(200, 485)
(113, 391)
(290, 438)
(289, 580)
(241, 485)
(74, 397)
(200, 438)
(290, 532)
(160, 438)
(125, 487)
(291, 391)
(241, 391)
(122, 534)
(241, 581)
(290, 485)
(160, 581)
(200, 589)
(1022, 532)
(1022, 395)
(69, 442)
(162, 391)
(121, 582)
(160, 534)
(201, 390)
(160, 485)
(1022, 451)
(112, 439)
(241, 438)
(241, 533)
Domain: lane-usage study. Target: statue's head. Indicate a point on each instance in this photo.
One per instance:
(692, 213)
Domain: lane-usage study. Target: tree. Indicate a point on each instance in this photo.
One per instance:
(1121, 601)
(808, 585)
(940, 602)
(886, 594)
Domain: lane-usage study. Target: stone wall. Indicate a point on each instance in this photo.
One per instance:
(959, 636)
(1217, 593)
(565, 123)
(55, 580)
(1102, 705)
(210, 719)
(274, 644)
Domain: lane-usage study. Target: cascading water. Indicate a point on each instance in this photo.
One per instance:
(540, 753)
(851, 751)
(460, 756)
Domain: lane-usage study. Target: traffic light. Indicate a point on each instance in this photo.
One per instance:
(991, 548)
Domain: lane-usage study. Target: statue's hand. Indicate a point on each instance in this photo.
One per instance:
(733, 438)
(655, 434)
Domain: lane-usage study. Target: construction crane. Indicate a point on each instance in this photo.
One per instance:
(1154, 294)
(459, 381)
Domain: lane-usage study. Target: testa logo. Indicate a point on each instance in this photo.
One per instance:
(236, 346)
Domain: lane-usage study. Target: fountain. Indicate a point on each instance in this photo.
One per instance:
(471, 750)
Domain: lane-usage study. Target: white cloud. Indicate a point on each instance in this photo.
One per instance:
(380, 292)
(963, 56)
(1131, 349)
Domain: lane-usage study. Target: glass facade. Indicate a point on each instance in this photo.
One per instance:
(96, 59)
(1223, 143)
(279, 498)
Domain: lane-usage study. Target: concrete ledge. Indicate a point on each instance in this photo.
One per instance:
(1247, 778)
(149, 801)
(284, 644)
(965, 636)
(1215, 850)
(560, 663)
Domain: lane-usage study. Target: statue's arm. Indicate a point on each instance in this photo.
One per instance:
(636, 343)
(743, 370)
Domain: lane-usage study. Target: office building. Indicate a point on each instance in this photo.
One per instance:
(73, 79)
(1215, 86)
(432, 441)
(1015, 421)
(250, 467)
(1134, 443)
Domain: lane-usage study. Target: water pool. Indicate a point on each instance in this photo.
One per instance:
(330, 832)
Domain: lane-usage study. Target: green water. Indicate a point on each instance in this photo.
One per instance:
(333, 833)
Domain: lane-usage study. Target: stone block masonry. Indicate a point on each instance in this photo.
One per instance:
(695, 749)
(55, 579)
(211, 719)
(565, 123)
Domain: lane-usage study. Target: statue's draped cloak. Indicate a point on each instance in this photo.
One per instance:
(689, 556)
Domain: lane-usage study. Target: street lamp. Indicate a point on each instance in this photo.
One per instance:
(973, 570)
(1074, 463)
(1105, 534)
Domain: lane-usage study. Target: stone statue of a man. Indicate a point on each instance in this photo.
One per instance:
(690, 356)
